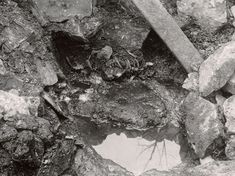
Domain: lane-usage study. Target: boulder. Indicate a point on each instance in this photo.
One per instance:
(203, 123)
(229, 112)
(217, 70)
(210, 14)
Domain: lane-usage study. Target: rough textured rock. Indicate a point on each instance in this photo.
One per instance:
(47, 73)
(12, 104)
(191, 83)
(203, 123)
(44, 131)
(133, 103)
(210, 14)
(7, 133)
(216, 71)
(230, 148)
(88, 162)
(58, 11)
(229, 112)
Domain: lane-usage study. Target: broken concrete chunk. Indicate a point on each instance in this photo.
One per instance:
(210, 14)
(229, 112)
(203, 123)
(7, 133)
(230, 148)
(47, 73)
(60, 10)
(217, 70)
(191, 83)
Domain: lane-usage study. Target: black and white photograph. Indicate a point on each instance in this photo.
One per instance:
(117, 87)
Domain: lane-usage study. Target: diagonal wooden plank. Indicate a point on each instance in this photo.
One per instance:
(165, 26)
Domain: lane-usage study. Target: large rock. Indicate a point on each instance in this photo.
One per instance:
(203, 123)
(61, 10)
(134, 103)
(210, 14)
(216, 71)
(229, 112)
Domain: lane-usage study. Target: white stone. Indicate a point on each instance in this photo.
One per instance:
(217, 70)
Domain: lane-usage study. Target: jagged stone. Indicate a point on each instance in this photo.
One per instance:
(230, 86)
(203, 123)
(229, 112)
(217, 70)
(210, 14)
(192, 82)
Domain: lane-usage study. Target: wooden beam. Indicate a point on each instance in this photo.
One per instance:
(166, 27)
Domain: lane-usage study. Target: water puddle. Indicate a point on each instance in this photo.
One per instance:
(138, 154)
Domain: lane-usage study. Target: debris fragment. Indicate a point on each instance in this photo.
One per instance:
(192, 82)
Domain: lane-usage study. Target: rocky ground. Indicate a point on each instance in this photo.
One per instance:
(71, 68)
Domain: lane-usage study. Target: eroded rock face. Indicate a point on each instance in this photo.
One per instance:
(58, 11)
(210, 14)
(217, 70)
(229, 112)
(203, 123)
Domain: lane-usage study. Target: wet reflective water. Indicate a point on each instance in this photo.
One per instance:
(138, 154)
